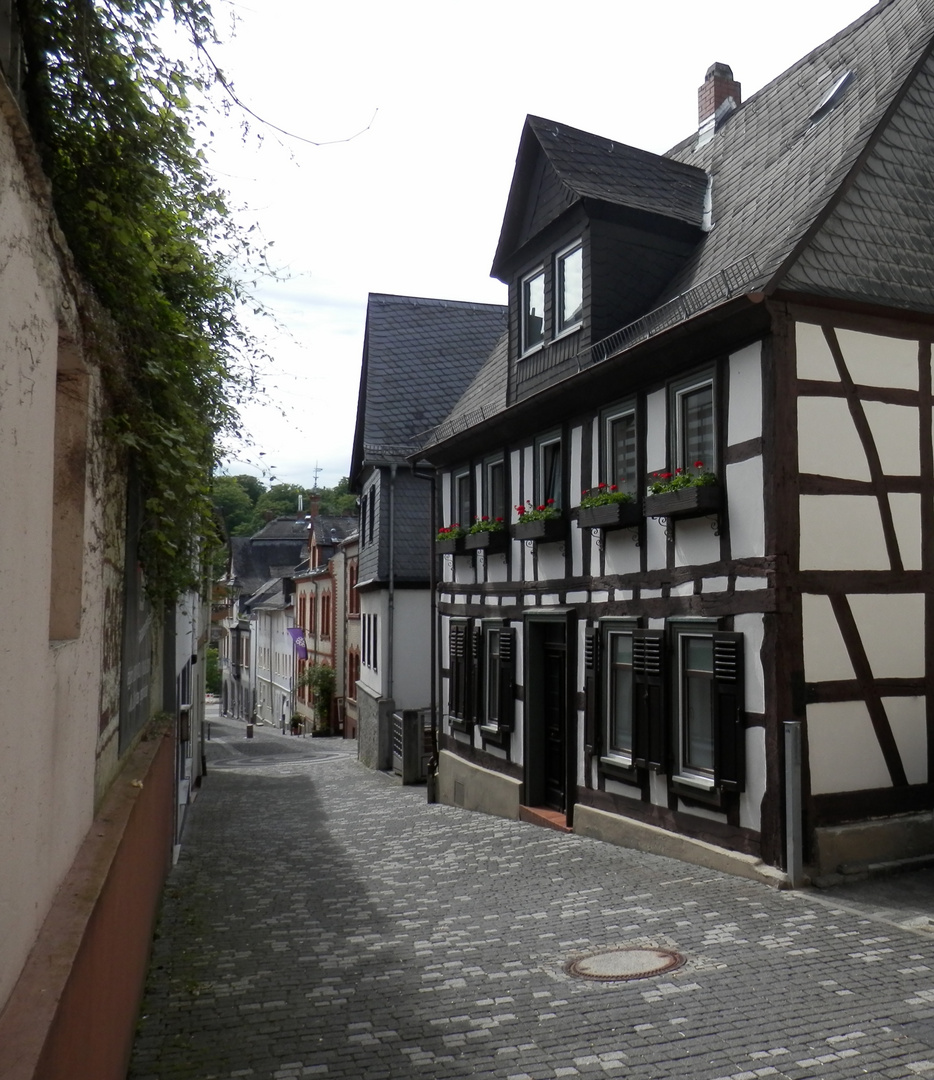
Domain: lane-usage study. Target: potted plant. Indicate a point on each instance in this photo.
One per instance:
(684, 493)
(322, 679)
(449, 539)
(543, 522)
(606, 507)
(487, 534)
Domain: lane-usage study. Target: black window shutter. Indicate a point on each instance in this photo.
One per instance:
(507, 678)
(456, 677)
(728, 712)
(592, 684)
(475, 707)
(649, 734)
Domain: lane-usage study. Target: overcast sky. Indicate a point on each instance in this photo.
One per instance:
(413, 205)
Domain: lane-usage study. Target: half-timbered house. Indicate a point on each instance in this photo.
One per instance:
(419, 355)
(737, 336)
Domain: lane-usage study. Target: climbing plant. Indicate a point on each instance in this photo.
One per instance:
(151, 233)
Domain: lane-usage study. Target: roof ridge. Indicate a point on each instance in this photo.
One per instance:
(434, 301)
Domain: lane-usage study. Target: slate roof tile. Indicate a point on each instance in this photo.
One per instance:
(419, 357)
(778, 180)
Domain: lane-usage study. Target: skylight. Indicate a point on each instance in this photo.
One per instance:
(833, 96)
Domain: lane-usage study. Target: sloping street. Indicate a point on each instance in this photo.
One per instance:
(324, 921)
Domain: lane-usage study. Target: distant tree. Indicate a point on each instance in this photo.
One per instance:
(232, 503)
(338, 501)
(251, 485)
(277, 500)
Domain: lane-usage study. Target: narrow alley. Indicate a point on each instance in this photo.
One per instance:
(324, 921)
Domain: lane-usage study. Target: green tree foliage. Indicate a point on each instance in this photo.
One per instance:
(151, 234)
(338, 501)
(212, 671)
(252, 485)
(277, 500)
(233, 504)
(322, 679)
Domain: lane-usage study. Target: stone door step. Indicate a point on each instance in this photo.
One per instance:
(543, 815)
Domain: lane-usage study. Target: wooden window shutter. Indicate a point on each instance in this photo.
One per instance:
(475, 707)
(507, 678)
(649, 730)
(729, 712)
(592, 685)
(458, 659)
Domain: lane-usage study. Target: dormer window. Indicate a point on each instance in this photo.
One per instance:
(569, 281)
(533, 310)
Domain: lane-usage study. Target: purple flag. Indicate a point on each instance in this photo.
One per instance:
(298, 637)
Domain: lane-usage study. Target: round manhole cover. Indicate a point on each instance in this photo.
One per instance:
(616, 965)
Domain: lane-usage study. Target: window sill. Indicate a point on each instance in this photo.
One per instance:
(496, 735)
(568, 330)
(619, 769)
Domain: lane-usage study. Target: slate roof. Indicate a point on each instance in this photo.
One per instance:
(331, 530)
(590, 166)
(835, 203)
(253, 563)
(419, 356)
(777, 173)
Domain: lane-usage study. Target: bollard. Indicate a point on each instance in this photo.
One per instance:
(249, 731)
(209, 732)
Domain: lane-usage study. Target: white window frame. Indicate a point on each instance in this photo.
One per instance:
(458, 479)
(541, 496)
(526, 349)
(609, 629)
(618, 412)
(682, 772)
(486, 502)
(679, 392)
(561, 327)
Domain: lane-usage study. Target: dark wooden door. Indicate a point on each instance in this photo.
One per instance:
(554, 704)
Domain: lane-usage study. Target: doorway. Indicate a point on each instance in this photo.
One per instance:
(547, 766)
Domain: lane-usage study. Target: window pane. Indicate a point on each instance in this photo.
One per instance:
(533, 311)
(492, 677)
(461, 508)
(620, 703)
(698, 704)
(550, 487)
(699, 654)
(622, 452)
(570, 288)
(697, 438)
(496, 490)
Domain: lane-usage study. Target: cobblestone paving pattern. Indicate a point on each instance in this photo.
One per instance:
(324, 921)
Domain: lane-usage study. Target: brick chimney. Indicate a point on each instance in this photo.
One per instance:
(718, 85)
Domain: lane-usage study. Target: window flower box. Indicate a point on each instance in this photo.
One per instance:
(614, 515)
(493, 542)
(544, 530)
(453, 545)
(686, 502)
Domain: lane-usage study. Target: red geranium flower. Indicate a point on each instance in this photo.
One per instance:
(698, 464)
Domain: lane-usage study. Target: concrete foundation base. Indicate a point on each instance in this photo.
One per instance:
(461, 783)
(624, 832)
(886, 840)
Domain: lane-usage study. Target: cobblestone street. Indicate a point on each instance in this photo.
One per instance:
(324, 921)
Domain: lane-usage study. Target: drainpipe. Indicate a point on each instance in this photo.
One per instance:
(432, 782)
(390, 630)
